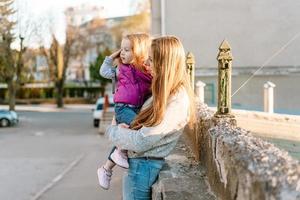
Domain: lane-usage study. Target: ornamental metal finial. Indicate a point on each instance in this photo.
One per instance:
(224, 79)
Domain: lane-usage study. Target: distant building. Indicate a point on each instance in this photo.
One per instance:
(99, 38)
(41, 70)
(95, 29)
(84, 17)
(36, 66)
(77, 16)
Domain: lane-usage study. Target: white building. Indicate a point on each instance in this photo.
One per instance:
(91, 23)
(77, 16)
(41, 69)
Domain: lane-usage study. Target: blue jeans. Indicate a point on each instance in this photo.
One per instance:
(125, 114)
(140, 177)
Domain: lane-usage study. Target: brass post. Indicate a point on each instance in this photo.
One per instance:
(190, 64)
(224, 79)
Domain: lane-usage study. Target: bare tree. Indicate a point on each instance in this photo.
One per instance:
(11, 62)
(58, 57)
(80, 38)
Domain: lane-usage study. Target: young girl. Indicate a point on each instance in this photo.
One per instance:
(133, 88)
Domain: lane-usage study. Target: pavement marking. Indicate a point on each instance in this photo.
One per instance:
(39, 133)
(23, 118)
(59, 177)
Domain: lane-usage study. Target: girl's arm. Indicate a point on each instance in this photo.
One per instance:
(107, 70)
(175, 118)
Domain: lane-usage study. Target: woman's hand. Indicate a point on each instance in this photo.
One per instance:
(123, 125)
(115, 54)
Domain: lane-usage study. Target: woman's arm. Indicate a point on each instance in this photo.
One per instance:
(175, 118)
(107, 70)
(134, 140)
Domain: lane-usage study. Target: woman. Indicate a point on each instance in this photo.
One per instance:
(156, 129)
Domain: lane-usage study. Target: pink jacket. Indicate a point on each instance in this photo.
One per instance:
(133, 86)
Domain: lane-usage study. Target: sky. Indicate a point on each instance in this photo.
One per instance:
(37, 11)
(40, 7)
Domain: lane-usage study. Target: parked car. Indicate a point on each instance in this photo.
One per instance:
(8, 118)
(98, 110)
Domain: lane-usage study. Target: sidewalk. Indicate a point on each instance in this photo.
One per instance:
(51, 107)
(81, 182)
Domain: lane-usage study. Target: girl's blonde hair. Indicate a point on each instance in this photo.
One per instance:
(140, 46)
(169, 75)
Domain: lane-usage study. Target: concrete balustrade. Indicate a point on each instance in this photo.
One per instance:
(269, 97)
(200, 91)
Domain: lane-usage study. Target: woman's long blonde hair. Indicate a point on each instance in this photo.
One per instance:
(140, 46)
(169, 75)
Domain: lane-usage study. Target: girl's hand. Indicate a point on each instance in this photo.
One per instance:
(115, 54)
(123, 125)
(113, 121)
(147, 68)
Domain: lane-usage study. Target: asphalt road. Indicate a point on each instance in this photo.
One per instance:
(54, 156)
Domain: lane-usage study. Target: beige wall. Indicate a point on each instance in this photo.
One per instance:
(255, 29)
(155, 17)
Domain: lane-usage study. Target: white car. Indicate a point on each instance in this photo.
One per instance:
(98, 109)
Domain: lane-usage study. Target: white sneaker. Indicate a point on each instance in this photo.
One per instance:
(104, 177)
(120, 158)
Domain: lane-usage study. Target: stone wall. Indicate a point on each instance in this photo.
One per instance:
(241, 166)
(233, 165)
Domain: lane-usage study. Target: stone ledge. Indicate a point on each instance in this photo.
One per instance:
(182, 178)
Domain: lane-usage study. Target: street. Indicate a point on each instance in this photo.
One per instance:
(54, 155)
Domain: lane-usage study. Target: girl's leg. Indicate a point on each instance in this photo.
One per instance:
(105, 172)
(125, 114)
(109, 164)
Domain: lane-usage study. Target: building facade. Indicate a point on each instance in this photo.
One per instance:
(251, 95)
(261, 33)
(256, 30)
